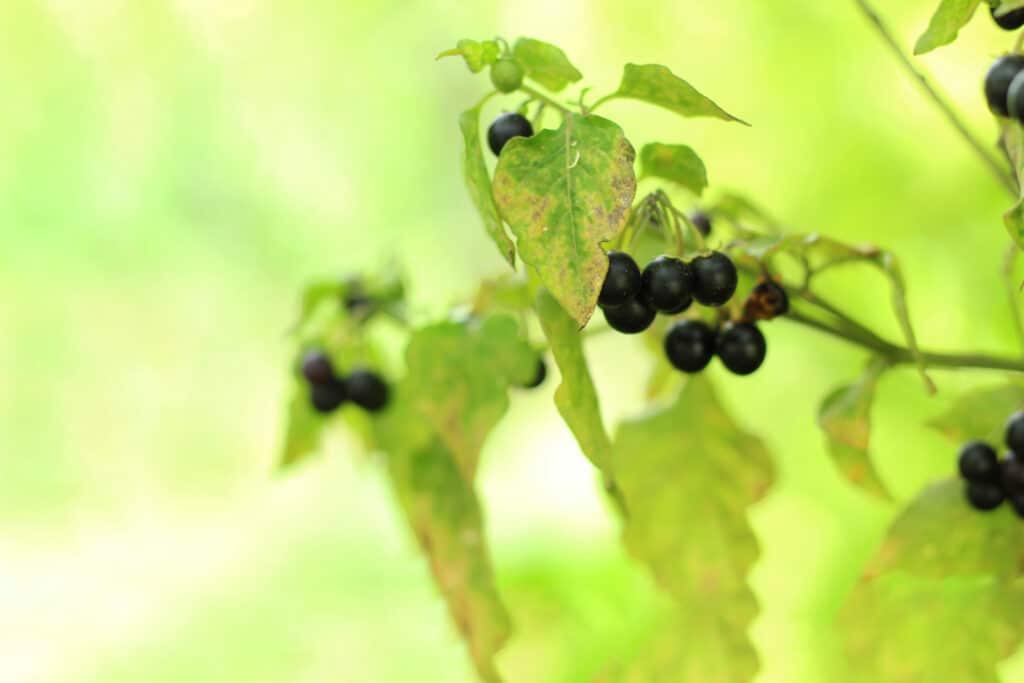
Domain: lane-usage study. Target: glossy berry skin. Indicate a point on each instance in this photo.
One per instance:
(1011, 21)
(632, 317)
(714, 278)
(506, 127)
(984, 496)
(367, 390)
(978, 462)
(506, 75)
(622, 282)
(328, 397)
(690, 345)
(702, 222)
(317, 368)
(997, 82)
(742, 348)
(666, 285)
(1015, 433)
(1015, 97)
(1011, 474)
(539, 377)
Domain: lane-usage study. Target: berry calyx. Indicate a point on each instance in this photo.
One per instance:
(714, 278)
(766, 301)
(998, 80)
(978, 462)
(622, 282)
(1011, 475)
(984, 496)
(1015, 433)
(690, 345)
(317, 368)
(506, 127)
(506, 75)
(1011, 21)
(742, 348)
(667, 284)
(701, 221)
(328, 397)
(539, 376)
(367, 390)
(632, 317)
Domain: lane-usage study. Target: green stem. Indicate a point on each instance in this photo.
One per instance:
(602, 100)
(541, 97)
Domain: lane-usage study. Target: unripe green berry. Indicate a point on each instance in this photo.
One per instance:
(506, 75)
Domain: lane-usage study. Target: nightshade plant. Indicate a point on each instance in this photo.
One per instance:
(943, 598)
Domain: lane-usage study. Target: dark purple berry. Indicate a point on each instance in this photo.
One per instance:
(714, 278)
(367, 390)
(632, 317)
(539, 376)
(622, 281)
(701, 221)
(978, 462)
(742, 348)
(997, 82)
(1015, 433)
(984, 496)
(667, 285)
(1011, 21)
(317, 367)
(1017, 503)
(328, 397)
(506, 127)
(1011, 474)
(689, 345)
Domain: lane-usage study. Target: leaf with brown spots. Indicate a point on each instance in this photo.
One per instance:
(565, 192)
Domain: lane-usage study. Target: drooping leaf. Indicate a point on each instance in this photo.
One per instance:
(564, 192)
(1013, 143)
(478, 182)
(688, 475)
(677, 163)
(545, 63)
(945, 24)
(943, 569)
(657, 85)
(576, 397)
(845, 417)
(980, 414)
(478, 55)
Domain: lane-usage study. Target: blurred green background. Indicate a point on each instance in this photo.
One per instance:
(171, 172)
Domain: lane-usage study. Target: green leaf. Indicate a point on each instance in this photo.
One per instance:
(576, 397)
(688, 475)
(657, 85)
(564, 192)
(943, 572)
(478, 182)
(845, 417)
(945, 25)
(1013, 143)
(980, 414)
(315, 294)
(677, 163)
(545, 63)
(303, 428)
(477, 54)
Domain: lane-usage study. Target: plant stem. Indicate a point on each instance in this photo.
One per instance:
(602, 100)
(541, 97)
(989, 159)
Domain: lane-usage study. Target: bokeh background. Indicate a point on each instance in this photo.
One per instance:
(172, 172)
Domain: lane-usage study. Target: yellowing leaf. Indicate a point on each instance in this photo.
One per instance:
(677, 163)
(478, 182)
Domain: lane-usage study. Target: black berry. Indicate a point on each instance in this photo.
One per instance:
(978, 462)
(984, 496)
(667, 285)
(539, 376)
(1011, 475)
(632, 317)
(328, 397)
(714, 278)
(689, 345)
(367, 390)
(767, 300)
(1015, 433)
(1017, 502)
(702, 222)
(506, 127)
(1011, 21)
(317, 368)
(622, 281)
(742, 348)
(997, 82)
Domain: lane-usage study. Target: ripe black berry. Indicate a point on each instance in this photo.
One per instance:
(317, 368)
(367, 390)
(1015, 433)
(689, 345)
(978, 462)
(506, 127)
(632, 317)
(766, 301)
(667, 285)
(742, 348)
(997, 82)
(1011, 21)
(622, 281)
(1017, 502)
(714, 277)
(702, 222)
(328, 397)
(984, 496)
(1011, 475)
(539, 377)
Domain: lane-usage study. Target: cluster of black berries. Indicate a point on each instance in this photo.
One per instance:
(990, 481)
(1004, 87)
(328, 391)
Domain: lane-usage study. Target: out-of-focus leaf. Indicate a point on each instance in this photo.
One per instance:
(315, 294)
(845, 417)
(477, 54)
(545, 63)
(980, 414)
(945, 24)
(478, 182)
(943, 598)
(1007, 6)
(677, 163)
(657, 85)
(303, 428)
(564, 192)
(1013, 143)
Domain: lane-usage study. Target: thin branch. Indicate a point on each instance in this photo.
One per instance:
(541, 97)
